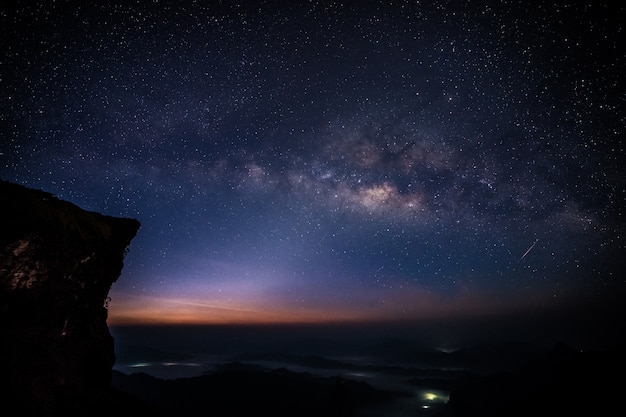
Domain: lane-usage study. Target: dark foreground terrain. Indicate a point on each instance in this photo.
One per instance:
(246, 392)
(555, 381)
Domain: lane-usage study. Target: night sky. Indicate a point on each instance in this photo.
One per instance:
(318, 161)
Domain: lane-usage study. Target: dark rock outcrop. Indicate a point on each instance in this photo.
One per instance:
(57, 265)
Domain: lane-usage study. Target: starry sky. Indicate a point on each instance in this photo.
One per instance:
(322, 161)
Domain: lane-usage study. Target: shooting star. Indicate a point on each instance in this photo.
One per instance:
(529, 249)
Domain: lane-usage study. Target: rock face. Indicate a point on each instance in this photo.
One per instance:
(57, 265)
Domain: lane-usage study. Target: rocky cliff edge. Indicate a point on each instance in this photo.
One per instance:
(57, 265)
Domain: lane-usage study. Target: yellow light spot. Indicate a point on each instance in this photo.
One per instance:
(430, 396)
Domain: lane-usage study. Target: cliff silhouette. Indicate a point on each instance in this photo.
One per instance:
(57, 265)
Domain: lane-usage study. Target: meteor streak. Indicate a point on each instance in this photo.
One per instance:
(529, 249)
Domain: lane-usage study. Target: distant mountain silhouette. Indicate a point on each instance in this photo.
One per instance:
(492, 357)
(316, 362)
(127, 353)
(239, 390)
(561, 381)
(313, 361)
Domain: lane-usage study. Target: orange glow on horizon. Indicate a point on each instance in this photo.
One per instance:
(409, 305)
(148, 310)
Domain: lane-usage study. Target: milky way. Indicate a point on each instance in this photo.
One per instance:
(320, 161)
